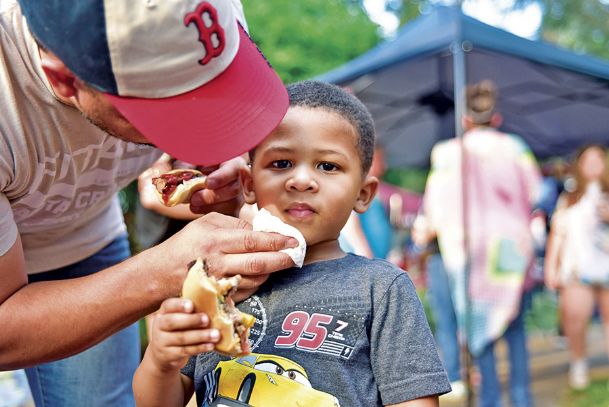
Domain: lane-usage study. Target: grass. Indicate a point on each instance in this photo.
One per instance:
(542, 314)
(596, 395)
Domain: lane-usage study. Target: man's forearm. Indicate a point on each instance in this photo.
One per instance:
(51, 320)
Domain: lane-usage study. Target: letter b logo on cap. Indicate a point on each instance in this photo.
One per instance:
(211, 34)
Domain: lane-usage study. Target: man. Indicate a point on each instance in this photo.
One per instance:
(89, 87)
(478, 200)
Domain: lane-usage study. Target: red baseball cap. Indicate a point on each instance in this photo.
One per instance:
(184, 73)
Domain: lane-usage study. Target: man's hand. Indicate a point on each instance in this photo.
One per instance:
(72, 315)
(223, 192)
(229, 247)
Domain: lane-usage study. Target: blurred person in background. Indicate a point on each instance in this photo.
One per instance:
(441, 305)
(577, 255)
(478, 201)
(375, 222)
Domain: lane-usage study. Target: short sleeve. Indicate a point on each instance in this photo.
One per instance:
(405, 361)
(8, 227)
(189, 368)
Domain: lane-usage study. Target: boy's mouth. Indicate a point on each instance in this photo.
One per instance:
(300, 211)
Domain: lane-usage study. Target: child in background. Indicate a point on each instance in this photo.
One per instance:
(343, 328)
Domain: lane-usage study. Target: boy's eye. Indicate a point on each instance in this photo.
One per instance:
(281, 164)
(327, 167)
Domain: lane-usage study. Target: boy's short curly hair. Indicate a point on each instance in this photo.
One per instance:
(315, 94)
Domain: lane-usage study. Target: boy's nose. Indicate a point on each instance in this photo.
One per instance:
(302, 180)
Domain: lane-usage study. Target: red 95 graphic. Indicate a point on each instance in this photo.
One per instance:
(314, 333)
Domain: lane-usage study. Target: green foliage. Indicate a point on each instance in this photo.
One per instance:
(128, 197)
(411, 9)
(596, 395)
(580, 25)
(542, 316)
(412, 179)
(302, 39)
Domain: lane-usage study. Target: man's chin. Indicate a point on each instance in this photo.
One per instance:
(135, 137)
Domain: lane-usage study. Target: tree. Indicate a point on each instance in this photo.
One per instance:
(579, 25)
(302, 39)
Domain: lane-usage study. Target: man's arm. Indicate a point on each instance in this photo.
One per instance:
(50, 320)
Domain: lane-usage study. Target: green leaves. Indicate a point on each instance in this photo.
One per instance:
(305, 38)
(580, 25)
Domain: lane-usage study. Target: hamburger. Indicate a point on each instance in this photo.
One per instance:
(213, 297)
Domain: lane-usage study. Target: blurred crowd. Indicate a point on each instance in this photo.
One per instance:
(492, 228)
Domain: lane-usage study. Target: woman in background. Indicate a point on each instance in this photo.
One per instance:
(577, 257)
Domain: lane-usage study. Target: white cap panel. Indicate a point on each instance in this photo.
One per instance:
(140, 69)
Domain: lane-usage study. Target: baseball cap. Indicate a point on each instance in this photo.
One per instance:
(184, 72)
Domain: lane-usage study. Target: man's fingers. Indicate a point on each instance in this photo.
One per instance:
(206, 196)
(245, 241)
(249, 285)
(248, 264)
(227, 173)
(217, 220)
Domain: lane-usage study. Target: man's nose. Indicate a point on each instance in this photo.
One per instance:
(302, 179)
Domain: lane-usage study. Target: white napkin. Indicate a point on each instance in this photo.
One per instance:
(265, 222)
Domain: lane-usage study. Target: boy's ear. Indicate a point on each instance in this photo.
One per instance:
(247, 185)
(366, 194)
(62, 80)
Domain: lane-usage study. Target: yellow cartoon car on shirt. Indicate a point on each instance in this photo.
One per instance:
(266, 380)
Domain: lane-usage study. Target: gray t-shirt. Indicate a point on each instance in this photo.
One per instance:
(59, 174)
(354, 325)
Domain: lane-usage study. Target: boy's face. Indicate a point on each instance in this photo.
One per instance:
(308, 173)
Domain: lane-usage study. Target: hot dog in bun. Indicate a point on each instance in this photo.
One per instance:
(213, 297)
(177, 186)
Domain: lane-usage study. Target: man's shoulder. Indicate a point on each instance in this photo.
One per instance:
(8, 6)
(10, 18)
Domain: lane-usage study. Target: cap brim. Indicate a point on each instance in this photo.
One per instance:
(220, 120)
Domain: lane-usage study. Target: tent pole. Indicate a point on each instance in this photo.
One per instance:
(460, 82)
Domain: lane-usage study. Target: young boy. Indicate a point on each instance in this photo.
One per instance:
(341, 329)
